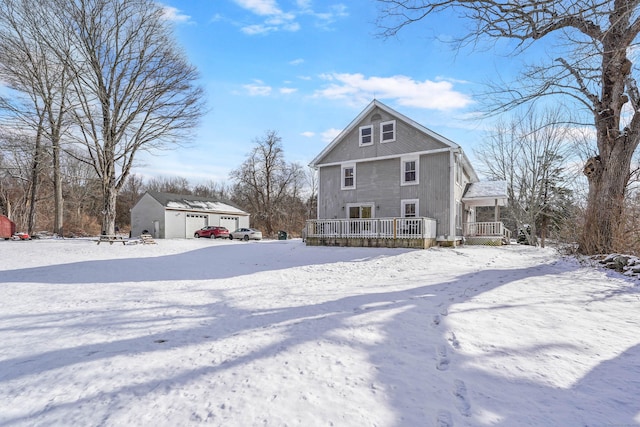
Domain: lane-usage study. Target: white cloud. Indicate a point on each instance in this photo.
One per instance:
(297, 61)
(358, 89)
(260, 7)
(288, 90)
(308, 134)
(276, 19)
(335, 12)
(173, 14)
(258, 88)
(330, 134)
(304, 4)
(257, 29)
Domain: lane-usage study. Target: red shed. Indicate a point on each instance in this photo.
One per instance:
(7, 227)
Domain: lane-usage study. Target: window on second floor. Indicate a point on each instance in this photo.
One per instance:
(366, 135)
(410, 173)
(388, 131)
(348, 177)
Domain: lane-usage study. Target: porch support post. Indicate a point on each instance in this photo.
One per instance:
(496, 215)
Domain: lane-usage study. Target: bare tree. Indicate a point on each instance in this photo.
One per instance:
(176, 185)
(590, 68)
(133, 89)
(16, 185)
(266, 185)
(312, 200)
(529, 153)
(32, 71)
(212, 189)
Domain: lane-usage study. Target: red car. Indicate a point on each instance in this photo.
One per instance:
(212, 232)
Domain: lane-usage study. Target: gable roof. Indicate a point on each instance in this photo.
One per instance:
(377, 104)
(195, 203)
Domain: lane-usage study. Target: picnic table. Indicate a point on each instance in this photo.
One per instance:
(111, 238)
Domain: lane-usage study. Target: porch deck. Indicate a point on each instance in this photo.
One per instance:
(396, 232)
(374, 232)
(486, 233)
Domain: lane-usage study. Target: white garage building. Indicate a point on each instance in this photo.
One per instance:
(171, 216)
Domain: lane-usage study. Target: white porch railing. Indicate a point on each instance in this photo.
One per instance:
(486, 229)
(385, 228)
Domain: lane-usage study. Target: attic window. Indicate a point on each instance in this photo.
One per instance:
(388, 131)
(366, 135)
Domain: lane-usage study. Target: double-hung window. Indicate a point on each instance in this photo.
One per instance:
(366, 135)
(409, 208)
(348, 177)
(410, 172)
(388, 131)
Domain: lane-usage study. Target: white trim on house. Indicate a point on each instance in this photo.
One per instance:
(373, 104)
(384, 140)
(343, 176)
(362, 137)
(315, 163)
(391, 156)
(452, 200)
(403, 207)
(370, 205)
(416, 170)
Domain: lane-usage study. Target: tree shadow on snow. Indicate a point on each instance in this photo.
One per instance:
(415, 349)
(419, 307)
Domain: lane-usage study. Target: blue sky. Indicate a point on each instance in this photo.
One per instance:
(305, 69)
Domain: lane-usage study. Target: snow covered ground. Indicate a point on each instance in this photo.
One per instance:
(274, 333)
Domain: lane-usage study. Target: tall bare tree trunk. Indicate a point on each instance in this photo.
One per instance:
(35, 179)
(58, 222)
(608, 179)
(110, 195)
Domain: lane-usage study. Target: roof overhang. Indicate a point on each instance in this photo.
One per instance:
(488, 193)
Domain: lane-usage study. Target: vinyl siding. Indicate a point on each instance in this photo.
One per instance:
(408, 140)
(378, 182)
(144, 213)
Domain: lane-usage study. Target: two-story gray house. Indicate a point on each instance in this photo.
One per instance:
(386, 180)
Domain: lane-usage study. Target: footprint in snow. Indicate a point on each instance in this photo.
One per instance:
(436, 320)
(454, 341)
(444, 419)
(442, 363)
(462, 401)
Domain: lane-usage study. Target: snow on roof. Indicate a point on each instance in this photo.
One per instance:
(195, 203)
(486, 190)
(204, 206)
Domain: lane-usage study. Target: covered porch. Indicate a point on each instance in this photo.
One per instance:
(486, 233)
(485, 194)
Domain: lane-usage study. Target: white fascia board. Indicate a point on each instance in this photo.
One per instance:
(394, 156)
(341, 135)
(375, 103)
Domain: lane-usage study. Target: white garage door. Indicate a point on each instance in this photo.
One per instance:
(230, 222)
(194, 222)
